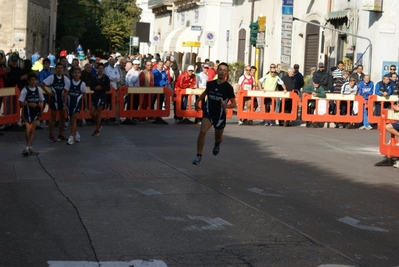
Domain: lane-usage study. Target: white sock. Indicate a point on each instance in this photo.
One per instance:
(27, 148)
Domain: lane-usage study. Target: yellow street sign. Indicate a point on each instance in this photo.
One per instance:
(262, 24)
(190, 44)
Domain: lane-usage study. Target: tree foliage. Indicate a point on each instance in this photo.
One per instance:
(101, 25)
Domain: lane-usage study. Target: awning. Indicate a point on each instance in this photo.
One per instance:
(338, 14)
(346, 20)
(174, 39)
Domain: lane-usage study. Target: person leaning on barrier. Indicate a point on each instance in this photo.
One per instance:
(185, 80)
(392, 70)
(315, 90)
(358, 76)
(290, 85)
(383, 88)
(366, 89)
(349, 88)
(394, 83)
(161, 80)
(246, 82)
(322, 76)
(132, 79)
(269, 82)
(308, 79)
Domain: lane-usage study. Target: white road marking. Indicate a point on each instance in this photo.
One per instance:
(213, 223)
(355, 223)
(262, 192)
(148, 191)
(335, 265)
(134, 263)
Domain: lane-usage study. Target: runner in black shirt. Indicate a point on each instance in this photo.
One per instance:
(218, 92)
(100, 84)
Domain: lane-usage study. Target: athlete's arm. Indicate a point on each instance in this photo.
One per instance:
(201, 98)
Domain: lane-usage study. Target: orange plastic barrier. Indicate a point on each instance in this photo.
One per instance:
(106, 113)
(392, 99)
(274, 97)
(322, 106)
(10, 106)
(388, 147)
(190, 111)
(145, 100)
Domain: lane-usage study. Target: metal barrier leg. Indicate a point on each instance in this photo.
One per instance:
(385, 162)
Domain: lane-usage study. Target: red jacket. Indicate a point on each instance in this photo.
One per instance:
(142, 78)
(185, 81)
(211, 74)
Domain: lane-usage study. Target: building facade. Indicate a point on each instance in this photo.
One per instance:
(28, 26)
(303, 32)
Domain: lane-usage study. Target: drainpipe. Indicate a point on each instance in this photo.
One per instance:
(252, 19)
(360, 37)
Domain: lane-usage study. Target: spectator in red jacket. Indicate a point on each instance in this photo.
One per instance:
(211, 71)
(146, 79)
(185, 80)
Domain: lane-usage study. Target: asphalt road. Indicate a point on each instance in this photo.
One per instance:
(274, 196)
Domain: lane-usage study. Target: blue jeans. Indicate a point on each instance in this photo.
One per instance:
(365, 116)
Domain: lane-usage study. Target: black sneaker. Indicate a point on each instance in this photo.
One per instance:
(215, 150)
(25, 153)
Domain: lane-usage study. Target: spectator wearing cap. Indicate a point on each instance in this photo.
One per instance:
(316, 90)
(154, 64)
(358, 76)
(185, 80)
(203, 77)
(132, 79)
(308, 78)
(298, 77)
(383, 88)
(321, 76)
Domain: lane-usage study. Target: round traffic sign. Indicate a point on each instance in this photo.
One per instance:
(210, 36)
(155, 38)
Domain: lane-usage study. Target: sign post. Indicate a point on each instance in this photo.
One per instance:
(286, 34)
(191, 44)
(209, 41)
(155, 41)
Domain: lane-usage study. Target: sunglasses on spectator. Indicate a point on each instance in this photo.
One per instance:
(393, 69)
(272, 67)
(248, 69)
(272, 72)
